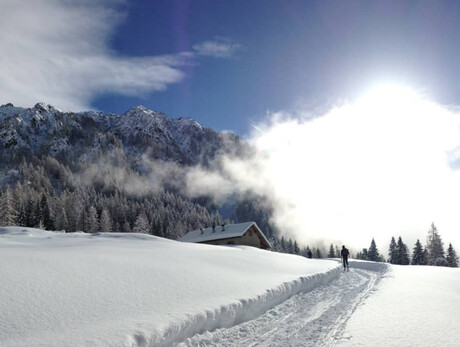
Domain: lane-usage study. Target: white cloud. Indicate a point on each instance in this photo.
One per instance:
(56, 51)
(218, 48)
(379, 167)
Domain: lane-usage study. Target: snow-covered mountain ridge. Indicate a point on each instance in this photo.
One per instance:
(46, 130)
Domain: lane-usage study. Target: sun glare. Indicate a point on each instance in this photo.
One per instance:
(387, 97)
(367, 167)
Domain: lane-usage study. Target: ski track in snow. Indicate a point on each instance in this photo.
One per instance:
(314, 318)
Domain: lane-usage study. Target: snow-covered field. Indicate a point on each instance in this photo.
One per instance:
(79, 289)
(127, 289)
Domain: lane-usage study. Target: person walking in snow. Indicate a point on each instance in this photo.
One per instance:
(344, 254)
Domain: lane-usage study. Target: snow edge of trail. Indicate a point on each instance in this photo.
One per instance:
(238, 312)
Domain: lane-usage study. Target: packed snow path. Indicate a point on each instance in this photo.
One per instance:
(315, 318)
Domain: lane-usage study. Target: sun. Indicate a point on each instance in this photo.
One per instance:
(390, 96)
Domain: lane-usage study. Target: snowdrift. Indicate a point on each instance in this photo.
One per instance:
(132, 289)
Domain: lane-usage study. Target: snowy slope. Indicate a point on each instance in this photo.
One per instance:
(79, 289)
(131, 289)
(413, 306)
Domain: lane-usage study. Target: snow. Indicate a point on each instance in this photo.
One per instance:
(44, 126)
(139, 290)
(132, 289)
(312, 318)
(413, 306)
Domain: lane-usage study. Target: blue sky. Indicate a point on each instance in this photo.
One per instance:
(282, 55)
(294, 54)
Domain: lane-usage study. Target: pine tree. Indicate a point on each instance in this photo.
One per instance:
(402, 254)
(331, 253)
(296, 248)
(392, 251)
(364, 254)
(373, 253)
(424, 257)
(435, 247)
(105, 223)
(142, 224)
(8, 211)
(45, 214)
(283, 245)
(452, 259)
(417, 254)
(92, 223)
(126, 227)
(318, 254)
(61, 219)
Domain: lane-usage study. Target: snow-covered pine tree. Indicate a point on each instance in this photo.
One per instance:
(417, 254)
(8, 211)
(45, 213)
(402, 253)
(435, 247)
(363, 255)
(392, 251)
(452, 259)
(126, 227)
(92, 222)
(283, 246)
(425, 257)
(318, 254)
(105, 223)
(331, 253)
(142, 224)
(296, 247)
(61, 221)
(373, 253)
(19, 195)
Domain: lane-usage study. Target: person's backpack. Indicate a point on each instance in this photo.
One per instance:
(345, 252)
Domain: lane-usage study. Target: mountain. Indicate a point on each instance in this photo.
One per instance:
(75, 137)
(91, 171)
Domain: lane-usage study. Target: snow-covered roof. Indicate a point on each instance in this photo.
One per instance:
(228, 231)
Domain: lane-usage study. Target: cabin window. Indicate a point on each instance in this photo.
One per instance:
(230, 242)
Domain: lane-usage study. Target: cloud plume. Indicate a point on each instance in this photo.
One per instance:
(378, 167)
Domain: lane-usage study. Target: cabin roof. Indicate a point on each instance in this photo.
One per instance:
(230, 231)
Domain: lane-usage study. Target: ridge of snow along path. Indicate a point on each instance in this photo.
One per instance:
(78, 289)
(313, 318)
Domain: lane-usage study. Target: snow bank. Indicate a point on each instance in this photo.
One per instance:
(245, 309)
(131, 289)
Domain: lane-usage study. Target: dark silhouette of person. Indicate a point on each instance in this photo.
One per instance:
(344, 254)
(309, 254)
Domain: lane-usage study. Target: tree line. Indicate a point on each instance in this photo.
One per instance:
(432, 254)
(44, 196)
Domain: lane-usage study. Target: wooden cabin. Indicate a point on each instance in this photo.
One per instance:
(246, 234)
